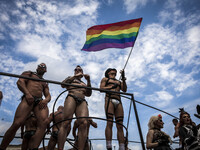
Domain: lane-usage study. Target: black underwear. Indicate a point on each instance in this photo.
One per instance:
(29, 134)
(54, 134)
(77, 99)
(36, 100)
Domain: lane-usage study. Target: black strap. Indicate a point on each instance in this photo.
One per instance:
(110, 116)
(119, 119)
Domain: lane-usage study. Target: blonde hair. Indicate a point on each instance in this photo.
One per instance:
(151, 124)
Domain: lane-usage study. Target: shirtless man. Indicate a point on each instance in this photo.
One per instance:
(75, 127)
(176, 128)
(58, 116)
(31, 101)
(75, 103)
(30, 129)
(114, 107)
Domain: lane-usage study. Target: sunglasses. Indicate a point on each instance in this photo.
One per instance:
(42, 66)
(160, 120)
(186, 116)
(113, 74)
(78, 70)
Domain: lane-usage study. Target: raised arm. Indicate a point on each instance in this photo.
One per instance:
(88, 91)
(67, 80)
(176, 134)
(123, 83)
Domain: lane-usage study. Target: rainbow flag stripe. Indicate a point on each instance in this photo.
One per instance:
(115, 35)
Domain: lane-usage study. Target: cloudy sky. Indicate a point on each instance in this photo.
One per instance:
(163, 70)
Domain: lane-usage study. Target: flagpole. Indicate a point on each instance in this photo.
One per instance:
(128, 58)
(131, 51)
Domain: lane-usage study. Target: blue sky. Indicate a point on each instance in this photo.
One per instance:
(163, 70)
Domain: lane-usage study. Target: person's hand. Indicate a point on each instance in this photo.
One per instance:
(94, 124)
(43, 104)
(114, 86)
(122, 73)
(79, 75)
(29, 98)
(87, 77)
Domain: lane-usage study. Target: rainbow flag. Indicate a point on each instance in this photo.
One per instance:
(115, 35)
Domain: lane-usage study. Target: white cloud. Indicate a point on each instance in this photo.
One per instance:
(37, 46)
(161, 98)
(132, 5)
(193, 34)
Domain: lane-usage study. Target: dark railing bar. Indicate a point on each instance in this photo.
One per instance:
(67, 84)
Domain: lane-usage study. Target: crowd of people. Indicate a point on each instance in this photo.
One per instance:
(32, 115)
(187, 131)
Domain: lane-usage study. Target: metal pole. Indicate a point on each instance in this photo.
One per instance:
(67, 84)
(138, 123)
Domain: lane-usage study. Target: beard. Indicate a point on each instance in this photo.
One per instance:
(40, 72)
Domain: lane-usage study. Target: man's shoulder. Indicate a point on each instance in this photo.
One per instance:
(27, 72)
(104, 79)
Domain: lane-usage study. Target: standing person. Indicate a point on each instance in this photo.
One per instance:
(58, 116)
(30, 129)
(188, 132)
(75, 103)
(75, 127)
(176, 127)
(31, 101)
(157, 139)
(114, 107)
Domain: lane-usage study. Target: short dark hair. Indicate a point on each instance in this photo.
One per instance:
(175, 120)
(108, 70)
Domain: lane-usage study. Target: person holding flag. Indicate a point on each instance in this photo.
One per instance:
(113, 106)
(115, 35)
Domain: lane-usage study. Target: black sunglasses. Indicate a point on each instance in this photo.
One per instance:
(113, 74)
(186, 116)
(78, 70)
(42, 66)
